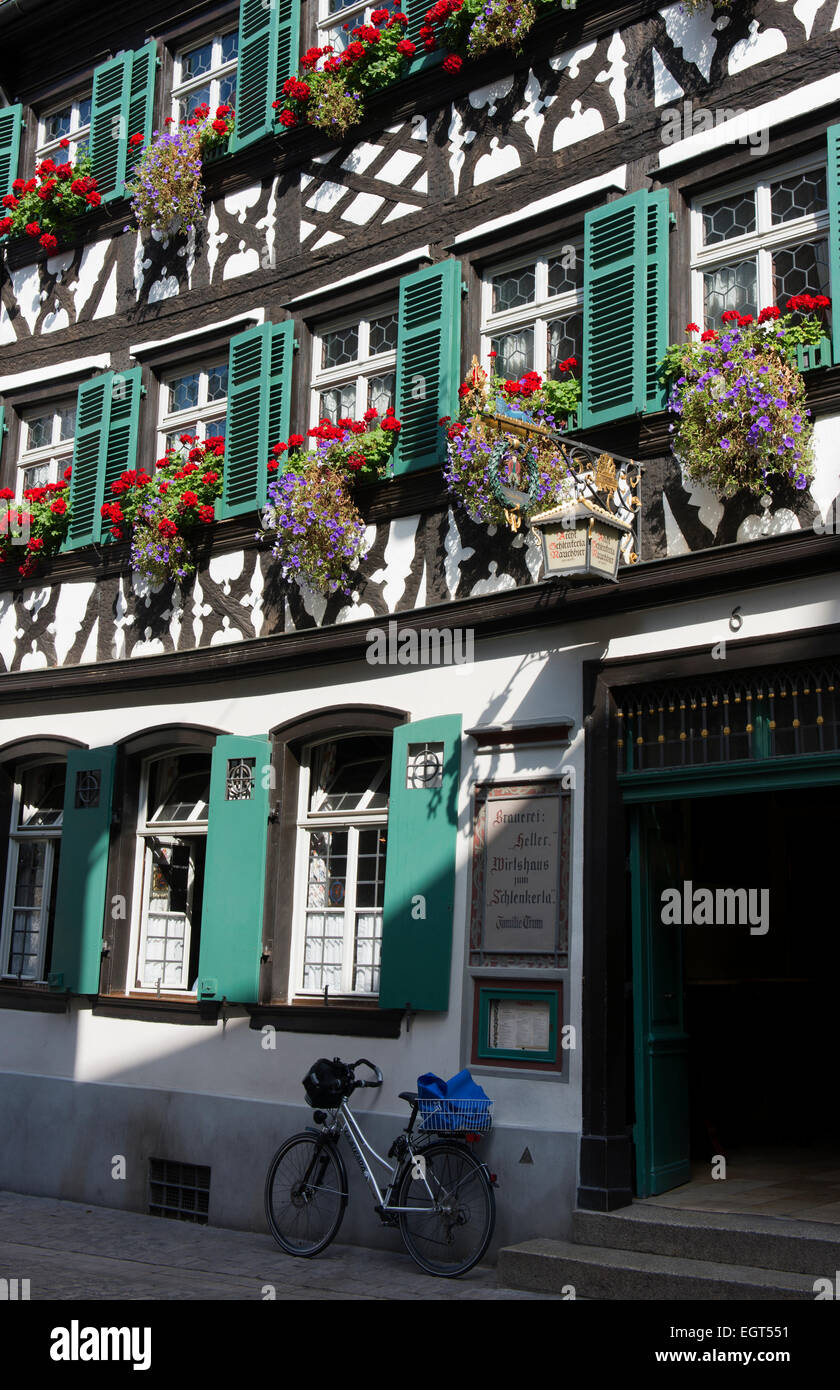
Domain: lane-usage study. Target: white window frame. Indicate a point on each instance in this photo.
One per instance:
(365, 366)
(17, 836)
(313, 821)
(181, 87)
(202, 416)
(168, 833)
(543, 310)
(59, 452)
(331, 25)
(47, 148)
(761, 243)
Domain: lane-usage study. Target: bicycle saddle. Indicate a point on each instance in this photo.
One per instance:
(410, 1096)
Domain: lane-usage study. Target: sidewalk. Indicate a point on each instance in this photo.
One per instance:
(71, 1251)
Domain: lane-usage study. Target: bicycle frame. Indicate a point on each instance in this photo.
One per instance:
(349, 1126)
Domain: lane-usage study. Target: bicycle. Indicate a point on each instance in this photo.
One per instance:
(439, 1194)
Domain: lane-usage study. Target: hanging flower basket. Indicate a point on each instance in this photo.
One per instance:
(740, 400)
(316, 530)
(502, 442)
(33, 530)
(46, 208)
(167, 192)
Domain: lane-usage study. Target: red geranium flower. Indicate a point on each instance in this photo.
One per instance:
(118, 533)
(710, 336)
(207, 514)
(136, 139)
(692, 328)
(223, 110)
(272, 465)
(371, 414)
(59, 506)
(68, 472)
(94, 199)
(5, 224)
(279, 448)
(6, 494)
(196, 455)
(453, 63)
(295, 441)
(406, 47)
(744, 320)
(49, 242)
(36, 543)
(287, 118)
(377, 16)
(32, 229)
(389, 423)
(10, 201)
(220, 127)
(190, 499)
(729, 316)
(64, 144)
(163, 489)
(167, 527)
(210, 478)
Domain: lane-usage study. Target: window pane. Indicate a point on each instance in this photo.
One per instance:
(513, 288)
(183, 392)
(216, 428)
(168, 904)
(40, 431)
(179, 788)
(383, 334)
(381, 392)
(340, 346)
(217, 382)
(227, 90)
(351, 774)
(801, 269)
(37, 476)
(799, 196)
(565, 339)
(729, 218)
(67, 423)
(200, 97)
(514, 353)
(730, 287)
(196, 61)
(565, 272)
(57, 125)
(230, 46)
(42, 796)
(84, 112)
(337, 403)
(29, 885)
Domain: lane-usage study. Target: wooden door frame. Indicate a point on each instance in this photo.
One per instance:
(606, 1172)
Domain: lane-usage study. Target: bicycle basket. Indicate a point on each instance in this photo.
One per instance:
(439, 1116)
(326, 1083)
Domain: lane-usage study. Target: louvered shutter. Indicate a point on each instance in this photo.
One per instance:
(141, 100)
(82, 870)
(428, 363)
(11, 121)
(833, 183)
(122, 428)
(416, 11)
(269, 41)
(108, 125)
(420, 865)
(259, 391)
(92, 415)
(234, 877)
(625, 306)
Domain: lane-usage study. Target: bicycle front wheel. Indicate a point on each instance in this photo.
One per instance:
(305, 1194)
(454, 1209)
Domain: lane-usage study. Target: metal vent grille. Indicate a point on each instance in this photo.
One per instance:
(781, 713)
(180, 1191)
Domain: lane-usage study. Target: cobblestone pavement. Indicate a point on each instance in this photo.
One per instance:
(71, 1251)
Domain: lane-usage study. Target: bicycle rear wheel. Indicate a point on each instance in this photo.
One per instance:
(305, 1194)
(454, 1210)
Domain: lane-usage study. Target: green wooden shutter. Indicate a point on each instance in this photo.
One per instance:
(428, 363)
(269, 42)
(656, 297)
(141, 100)
(259, 394)
(120, 451)
(833, 135)
(416, 11)
(420, 867)
(86, 483)
(108, 125)
(82, 870)
(11, 121)
(615, 310)
(234, 877)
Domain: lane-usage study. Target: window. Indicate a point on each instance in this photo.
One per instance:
(32, 869)
(206, 73)
(194, 403)
(46, 444)
(760, 242)
(354, 367)
(342, 841)
(169, 872)
(532, 313)
(68, 122)
(337, 17)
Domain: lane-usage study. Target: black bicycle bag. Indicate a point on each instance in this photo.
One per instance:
(327, 1082)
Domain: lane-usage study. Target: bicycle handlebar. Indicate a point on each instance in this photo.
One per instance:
(363, 1062)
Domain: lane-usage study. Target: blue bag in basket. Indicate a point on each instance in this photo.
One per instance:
(456, 1104)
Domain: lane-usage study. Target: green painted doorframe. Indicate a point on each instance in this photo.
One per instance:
(660, 1044)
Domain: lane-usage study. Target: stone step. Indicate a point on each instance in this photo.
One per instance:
(762, 1242)
(601, 1272)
